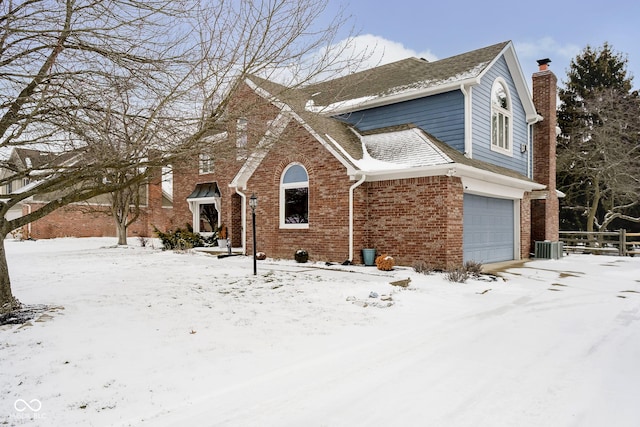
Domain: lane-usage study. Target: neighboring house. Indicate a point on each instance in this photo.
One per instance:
(86, 219)
(20, 159)
(444, 161)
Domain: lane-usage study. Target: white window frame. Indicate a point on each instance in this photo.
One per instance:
(498, 143)
(242, 124)
(194, 206)
(283, 187)
(205, 164)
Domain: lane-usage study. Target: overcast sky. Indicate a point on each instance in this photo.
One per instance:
(558, 29)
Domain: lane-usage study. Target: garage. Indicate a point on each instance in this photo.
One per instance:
(488, 234)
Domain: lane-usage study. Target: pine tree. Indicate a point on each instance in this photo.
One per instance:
(598, 147)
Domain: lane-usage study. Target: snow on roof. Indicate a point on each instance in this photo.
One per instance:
(349, 103)
(400, 149)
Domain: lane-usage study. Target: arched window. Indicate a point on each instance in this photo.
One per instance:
(294, 197)
(501, 117)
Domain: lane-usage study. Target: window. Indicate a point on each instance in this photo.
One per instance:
(206, 164)
(241, 139)
(294, 197)
(500, 118)
(208, 218)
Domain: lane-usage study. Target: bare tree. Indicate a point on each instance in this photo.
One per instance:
(605, 154)
(101, 84)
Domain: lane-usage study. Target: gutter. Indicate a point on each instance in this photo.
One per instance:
(351, 189)
(530, 122)
(329, 110)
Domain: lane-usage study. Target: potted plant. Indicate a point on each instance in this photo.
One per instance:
(301, 255)
(222, 236)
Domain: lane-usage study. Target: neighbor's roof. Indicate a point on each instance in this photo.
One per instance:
(407, 75)
(30, 158)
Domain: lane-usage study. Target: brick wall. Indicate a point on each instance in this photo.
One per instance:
(86, 220)
(545, 208)
(327, 237)
(417, 219)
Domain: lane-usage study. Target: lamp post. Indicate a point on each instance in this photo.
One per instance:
(253, 202)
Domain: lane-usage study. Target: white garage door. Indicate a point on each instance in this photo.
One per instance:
(488, 234)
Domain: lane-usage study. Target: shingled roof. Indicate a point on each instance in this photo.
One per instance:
(404, 76)
(395, 148)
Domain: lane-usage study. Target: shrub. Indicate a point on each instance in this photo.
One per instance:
(423, 267)
(180, 238)
(457, 275)
(385, 262)
(144, 241)
(474, 268)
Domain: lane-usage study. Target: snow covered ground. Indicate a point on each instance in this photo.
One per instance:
(144, 337)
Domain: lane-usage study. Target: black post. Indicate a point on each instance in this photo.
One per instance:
(253, 203)
(255, 266)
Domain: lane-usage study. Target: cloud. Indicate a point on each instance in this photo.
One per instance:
(546, 47)
(377, 50)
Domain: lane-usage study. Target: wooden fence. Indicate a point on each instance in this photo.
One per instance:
(618, 242)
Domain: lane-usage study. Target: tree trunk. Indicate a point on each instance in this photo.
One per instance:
(7, 301)
(593, 209)
(121, 226)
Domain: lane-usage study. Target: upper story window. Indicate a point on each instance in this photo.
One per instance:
(205, 163)
(241, 138)
(501, 118)
(294, 197)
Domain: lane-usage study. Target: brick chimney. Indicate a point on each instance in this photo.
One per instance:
(544, 204)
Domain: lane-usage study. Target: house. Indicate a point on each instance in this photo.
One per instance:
(20, 172)
(444, 161)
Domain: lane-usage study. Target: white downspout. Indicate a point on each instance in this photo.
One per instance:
(351, 189)
(243, 220)
(28, 213)
(468, 142)
(529, 151)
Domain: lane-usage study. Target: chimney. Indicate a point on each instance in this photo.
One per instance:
(543, 64)
(544, 204)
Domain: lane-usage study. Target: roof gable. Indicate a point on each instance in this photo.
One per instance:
(393, 152)
(405, 79)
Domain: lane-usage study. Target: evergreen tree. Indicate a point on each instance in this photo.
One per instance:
(598, 147)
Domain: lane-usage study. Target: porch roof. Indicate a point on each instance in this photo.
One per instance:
(205, 190)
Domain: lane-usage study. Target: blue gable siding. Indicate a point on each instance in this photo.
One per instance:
(441, 115)
(481, 121)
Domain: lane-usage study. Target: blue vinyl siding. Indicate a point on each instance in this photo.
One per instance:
(441, 115)
(481, 121)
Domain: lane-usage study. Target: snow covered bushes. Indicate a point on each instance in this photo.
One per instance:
(180, 239)
(423, 267)
(462, 273)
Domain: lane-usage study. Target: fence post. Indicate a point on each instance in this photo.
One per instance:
(623, 242)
